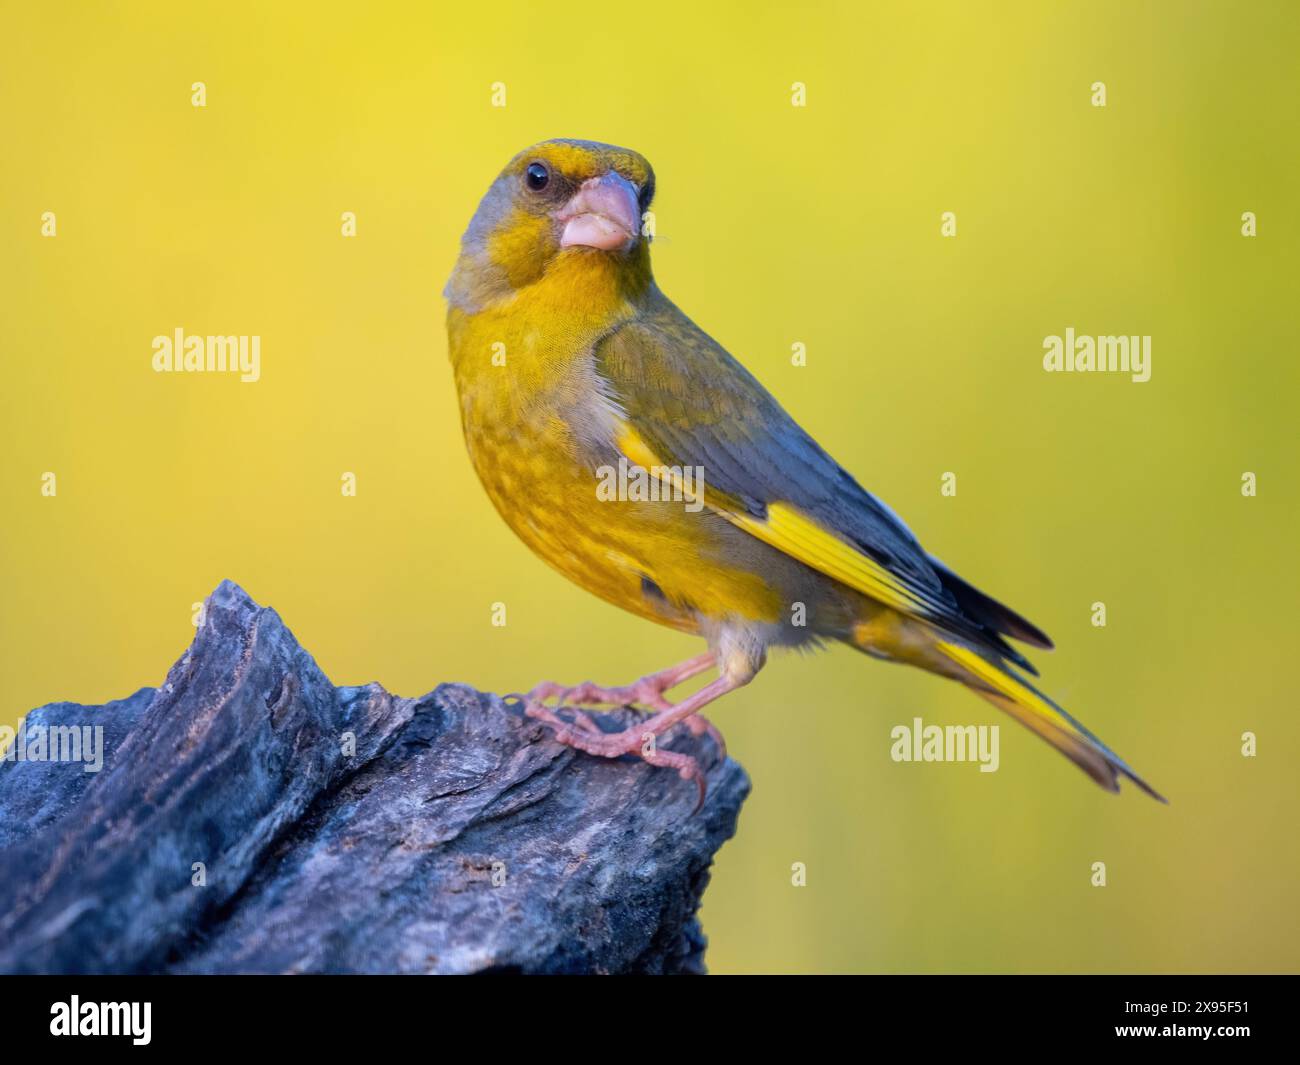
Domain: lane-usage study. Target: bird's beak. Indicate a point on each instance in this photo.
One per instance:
(602, 214)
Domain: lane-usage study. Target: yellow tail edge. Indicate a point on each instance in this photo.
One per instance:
(1037, 712)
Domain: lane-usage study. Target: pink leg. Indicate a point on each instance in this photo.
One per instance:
(648, 692)
(699, 725)
(642, 738)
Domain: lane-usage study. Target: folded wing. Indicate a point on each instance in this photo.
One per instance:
(687, 402)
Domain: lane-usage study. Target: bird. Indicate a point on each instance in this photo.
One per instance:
(571, 363)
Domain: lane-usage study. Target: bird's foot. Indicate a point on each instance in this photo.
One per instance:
(646, 692)
(638, 740)
(642, 739)
(698, 725)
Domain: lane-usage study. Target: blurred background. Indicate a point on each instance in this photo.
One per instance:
(777, 225)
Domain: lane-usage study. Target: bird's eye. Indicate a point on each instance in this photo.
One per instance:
(537, 176)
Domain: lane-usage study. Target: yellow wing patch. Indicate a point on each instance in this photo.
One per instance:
(792, 532)
(1006, 685)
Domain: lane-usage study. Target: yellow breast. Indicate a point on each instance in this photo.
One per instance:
(538, 425)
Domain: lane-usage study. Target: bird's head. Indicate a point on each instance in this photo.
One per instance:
(558, 204)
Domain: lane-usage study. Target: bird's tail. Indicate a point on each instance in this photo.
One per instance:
(1004, 688)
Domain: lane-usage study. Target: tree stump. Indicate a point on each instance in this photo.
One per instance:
(249, 816)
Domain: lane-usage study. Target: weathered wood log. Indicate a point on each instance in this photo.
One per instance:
(252, 817)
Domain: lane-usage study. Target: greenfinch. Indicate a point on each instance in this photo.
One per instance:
(631, 452)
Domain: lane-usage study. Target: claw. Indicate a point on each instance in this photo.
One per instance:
(699, 725)
(541, 712)
(586, 735)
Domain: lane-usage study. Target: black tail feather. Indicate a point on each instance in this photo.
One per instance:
(992, 615)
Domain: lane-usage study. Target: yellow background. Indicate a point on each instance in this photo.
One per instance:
(818, 225)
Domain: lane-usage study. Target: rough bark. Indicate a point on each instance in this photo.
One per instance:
(345, 830)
